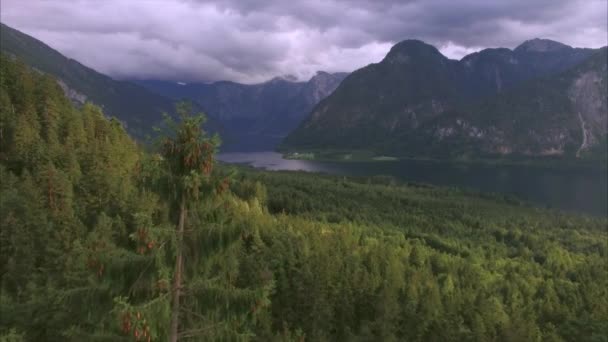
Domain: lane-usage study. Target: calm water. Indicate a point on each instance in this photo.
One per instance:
(583, 191)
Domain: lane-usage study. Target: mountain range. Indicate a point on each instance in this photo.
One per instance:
(253, 116)
(248, 117)
(542, 98)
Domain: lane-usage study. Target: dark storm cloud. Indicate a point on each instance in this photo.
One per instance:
(254, 40)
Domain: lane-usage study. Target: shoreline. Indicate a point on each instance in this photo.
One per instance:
(365, 156)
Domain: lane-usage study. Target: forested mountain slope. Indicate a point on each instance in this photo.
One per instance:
(88, 234)
(138, 108)
(93, 228)
(397, 105)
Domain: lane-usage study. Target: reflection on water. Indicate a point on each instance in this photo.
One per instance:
(583, 191)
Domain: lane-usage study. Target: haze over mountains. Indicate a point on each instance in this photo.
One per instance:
(542, 98)
(257, 116)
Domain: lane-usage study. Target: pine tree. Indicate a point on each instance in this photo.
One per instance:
(188, 156)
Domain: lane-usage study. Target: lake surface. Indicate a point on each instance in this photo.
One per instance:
(582, 191)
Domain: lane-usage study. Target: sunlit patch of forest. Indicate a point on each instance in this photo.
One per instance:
(99, 236)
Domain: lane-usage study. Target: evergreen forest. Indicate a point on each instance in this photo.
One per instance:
(104, 239)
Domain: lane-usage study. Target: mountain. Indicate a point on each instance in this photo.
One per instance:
(493, 70)
(138, 108)
(254, 116)
(562, 114)
(493, 102)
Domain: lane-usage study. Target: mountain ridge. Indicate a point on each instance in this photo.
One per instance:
(541, 45)
(254, 116)
(382, 106)
(137, 108)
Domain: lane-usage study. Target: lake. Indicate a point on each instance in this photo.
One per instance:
(574, 190)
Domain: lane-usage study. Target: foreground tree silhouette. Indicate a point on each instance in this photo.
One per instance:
(188, 155)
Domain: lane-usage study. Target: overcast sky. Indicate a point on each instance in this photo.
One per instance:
(254, 40)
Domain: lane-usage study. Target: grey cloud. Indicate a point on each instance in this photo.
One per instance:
(254, 40)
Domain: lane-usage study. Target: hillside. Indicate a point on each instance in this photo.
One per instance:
(138, 108)
(256, 116)
(563, 114)
(89, 244)
(397, 106)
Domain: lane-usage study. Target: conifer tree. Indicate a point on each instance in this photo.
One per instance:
(188, 156)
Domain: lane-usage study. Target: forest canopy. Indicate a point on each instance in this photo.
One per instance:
(93, 227)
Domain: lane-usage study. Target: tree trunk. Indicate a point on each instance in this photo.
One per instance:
(177, 279)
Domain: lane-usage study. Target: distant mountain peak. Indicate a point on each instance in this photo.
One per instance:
(412, 44)
(541, 45)
(284, 78)
(322, 75)
(405, 50)
(290, 78)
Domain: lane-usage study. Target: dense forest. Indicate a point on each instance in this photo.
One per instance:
(103, 241)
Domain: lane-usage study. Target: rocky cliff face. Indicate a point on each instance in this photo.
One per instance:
(564, 114)
(416, 102)
(321, 85)
(72, 94)
(587, 92)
